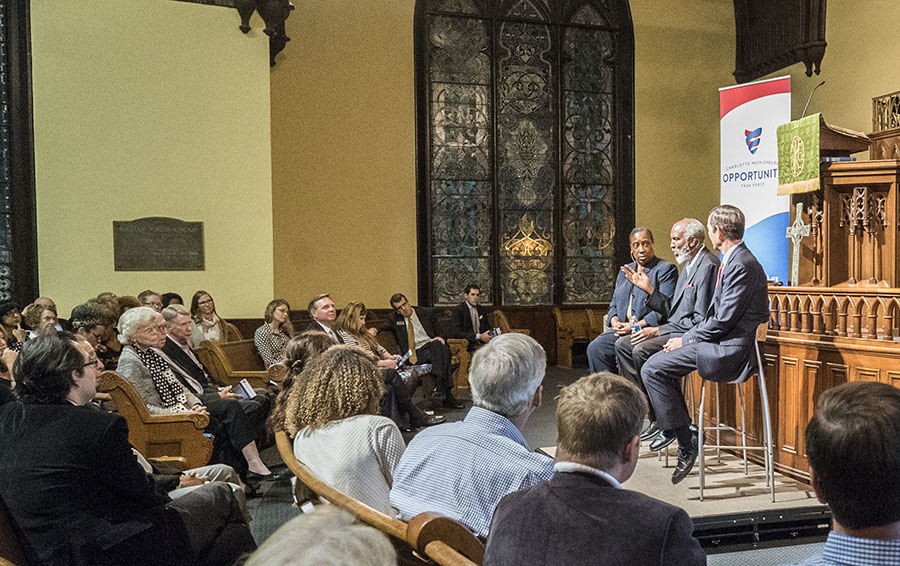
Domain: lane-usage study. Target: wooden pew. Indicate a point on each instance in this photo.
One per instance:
(179, 434)
(572, 326)
(440, 538)
(12, 548)
(501, 322)
(230, 362)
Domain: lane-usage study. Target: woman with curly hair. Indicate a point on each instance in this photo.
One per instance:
(300, 350)
(332, 413)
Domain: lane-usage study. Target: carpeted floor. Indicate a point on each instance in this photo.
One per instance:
(728, 490)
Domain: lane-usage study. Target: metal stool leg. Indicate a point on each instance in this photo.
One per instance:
(743, 427)
(767, 425)
(701, 438)
(718, 426)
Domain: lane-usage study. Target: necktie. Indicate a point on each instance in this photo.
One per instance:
(719, 276)
(474, 314)
(411, 341)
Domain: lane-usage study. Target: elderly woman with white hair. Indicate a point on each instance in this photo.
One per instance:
(164, 390)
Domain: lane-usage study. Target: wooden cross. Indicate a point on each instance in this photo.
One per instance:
(796, 232)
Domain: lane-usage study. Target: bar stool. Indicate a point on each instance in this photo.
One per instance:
(766, 448)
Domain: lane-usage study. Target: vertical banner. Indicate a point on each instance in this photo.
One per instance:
(749, 118)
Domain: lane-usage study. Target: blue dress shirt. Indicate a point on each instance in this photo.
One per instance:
(463, 469)
(844, 550)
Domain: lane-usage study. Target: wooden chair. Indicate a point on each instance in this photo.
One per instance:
(179, 434)
(12, 548)
(440, 538)
(572, 326)
(501, 322)
(232, 334)
(230, 362)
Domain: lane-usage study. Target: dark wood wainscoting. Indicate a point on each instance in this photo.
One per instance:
(537, 319)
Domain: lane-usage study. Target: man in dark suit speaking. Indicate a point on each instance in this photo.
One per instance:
(419, 331)
(684, 310)
(583, 515)
(721, 347)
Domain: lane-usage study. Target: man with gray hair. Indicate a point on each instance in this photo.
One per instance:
(684, 310)
(463, 469)
(583, 515)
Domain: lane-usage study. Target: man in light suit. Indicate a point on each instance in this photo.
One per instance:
(469, 319)
(629, 302)
(687, 308)
(583, 515)
(721, 347)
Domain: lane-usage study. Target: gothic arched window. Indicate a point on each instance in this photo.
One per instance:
(525, 152)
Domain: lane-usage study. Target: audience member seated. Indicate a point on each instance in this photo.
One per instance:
(463, 469)
(853, 446)
(171, 299)
(188, 366)
(109, 344)
(628, 307)
(48, 303)
(273, 335)
(300, 350)
(74, 488)
(40, 319)
(151, 299)
(7, 358)
(11, 325)
(142, 331)
(126, 302)
(332, 414)
(397, 402)
(418, 330)
(207, 324)
(326, 537)
(321, 310)
(583, 515)
(88, 321)
(470, 320)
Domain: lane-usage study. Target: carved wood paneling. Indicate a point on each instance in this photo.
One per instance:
(774, 34)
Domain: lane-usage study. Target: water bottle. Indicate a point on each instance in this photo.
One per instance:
(635, 325)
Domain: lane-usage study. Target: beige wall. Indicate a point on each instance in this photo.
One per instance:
(343, 139)
(343, 153)
(151, 108)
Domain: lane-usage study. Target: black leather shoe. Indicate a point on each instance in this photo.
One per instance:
(430, 420)
(651, 431)
(451, 402)
(254, 477)
(661, 441)
(687, 455)
(253, 492)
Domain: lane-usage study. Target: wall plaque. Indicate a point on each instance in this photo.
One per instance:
(158, 244)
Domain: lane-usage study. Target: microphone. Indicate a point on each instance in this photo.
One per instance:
(810, 98)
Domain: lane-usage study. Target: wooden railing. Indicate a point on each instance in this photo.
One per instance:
(867, 313)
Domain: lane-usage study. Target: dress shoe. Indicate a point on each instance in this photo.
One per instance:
(451, 402)
(687, 455)
(254, 477)
(429, 420)
(253, 492)
(661, 441)
(650, 432)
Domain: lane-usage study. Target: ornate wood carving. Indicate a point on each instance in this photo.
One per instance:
(773, 34)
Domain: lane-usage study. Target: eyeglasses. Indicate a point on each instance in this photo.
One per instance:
(95, 362)
(206, 302)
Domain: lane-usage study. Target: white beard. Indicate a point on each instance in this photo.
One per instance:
(682, 255)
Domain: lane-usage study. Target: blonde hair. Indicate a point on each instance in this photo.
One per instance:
(343, 382)
(348, 321)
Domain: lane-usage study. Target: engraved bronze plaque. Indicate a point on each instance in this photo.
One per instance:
(158, 244)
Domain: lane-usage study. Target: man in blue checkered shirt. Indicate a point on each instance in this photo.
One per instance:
(463, 469)
(853, 446)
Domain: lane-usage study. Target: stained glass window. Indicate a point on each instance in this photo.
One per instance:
(523, 141)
